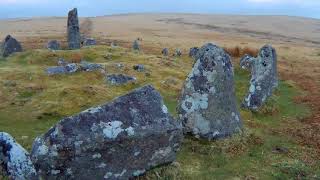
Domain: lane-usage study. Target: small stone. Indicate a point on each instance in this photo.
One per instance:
(207, 107)
(85, 66)
(74, 39)
(120, 79)
(264, 77)
(68, 68)
(139, 67)
(53, 45)
(178, 52)
(10, 46)
(90, 42)
(136, 45)
(114, 44)
(165, 52)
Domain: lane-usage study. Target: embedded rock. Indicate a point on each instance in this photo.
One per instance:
(73, 30)
(62, 62)
(53, 45)
(264, 78)
(207, 106)
(10, 45)
(118, 140)
(85, 66)
(67, 69)
(90, 42)
(15, 160)
(136, 45)
(193, 52)
(139, 67)
(178, 53)
(165, 52)
(120, 79)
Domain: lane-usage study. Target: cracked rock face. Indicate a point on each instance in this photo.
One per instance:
(74, 39)
(53, 45)
(15, 160)
(264, 78)
(207, 106)
(118, 140)
(10, 45)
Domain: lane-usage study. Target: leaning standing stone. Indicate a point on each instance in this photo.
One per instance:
(10, 45)
(73, 30)
(53, 45)
(118, 140)
(207, 106)
(264, 77)
(15, 160)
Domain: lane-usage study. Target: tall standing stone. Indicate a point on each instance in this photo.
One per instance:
(264, 77)
(118, 140)
(73, 30)
(207, 106)
(10, 45)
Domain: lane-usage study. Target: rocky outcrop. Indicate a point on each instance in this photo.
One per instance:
(10, 45)
(118, 140)
(207, 106)
(53, 45)
(264, 77)
(15, 160)
(120, 79)
(73, 30)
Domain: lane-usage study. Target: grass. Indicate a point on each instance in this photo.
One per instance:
(31, 102)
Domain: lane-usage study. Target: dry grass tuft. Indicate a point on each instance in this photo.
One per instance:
(76, 58)
(239, 52)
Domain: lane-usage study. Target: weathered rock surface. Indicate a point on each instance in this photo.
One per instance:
(120, 79)
(89, 42)
(69, 68)
(118, 140)
(165, 52)
(10, 45)
(136, 45)
(53, 45)
(139, 67)
(207, 106)
(15, 160)
(73, 30)
(193, 52)
(264, 77)
(178, 52)
(85, 66)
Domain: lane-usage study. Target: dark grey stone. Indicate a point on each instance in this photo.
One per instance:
(118, 140)
(89, 42)
(85, 66)
(136, 45)
(178, 53)
(15, 160)
(69, 68)
(139, 67)
(53, 45)
(264, 77)
(73, 30)
(207, 106)
(120, 79)
(193, 52)
(10, 45)
(165, 52)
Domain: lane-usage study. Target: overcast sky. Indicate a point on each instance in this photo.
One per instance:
(29, 8)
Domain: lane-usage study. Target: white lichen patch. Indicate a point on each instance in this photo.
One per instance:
(138, 172)
(102, 165)
(201, 125)
(252, 88)
(165, 109)
(108, 175)
(96, 156)
(120, 174)
(111, 129)
(161, 153)
(42, 150)
(211, 76)
(130, 131)
(137, 153)
(195, 102)
(93, 110)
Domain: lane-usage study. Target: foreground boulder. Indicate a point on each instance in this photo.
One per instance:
(74, 39)
(118, 140)
(193, 52)
(14, 159)
(207, 106)
(264, 77)
(120, 79)
(53, 45)
(10, 45)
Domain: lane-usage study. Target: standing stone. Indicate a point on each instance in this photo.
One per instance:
(73, 30)
(264, 76)
(10, 45)
(165, 52)
(207, 106)
(118, 140)
(136, 45)
(15, 160)
(139, 67)
(193, 52)
(178, 52)
(53, 45)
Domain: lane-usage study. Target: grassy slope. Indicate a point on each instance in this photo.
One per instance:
(31, 102)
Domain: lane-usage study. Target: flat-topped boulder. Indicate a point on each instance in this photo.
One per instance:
(53, 45)
(66, 69)
(119, 140)
(120, 79)
(207, 106)
(15, 160)
(264, 77)
(73, 30)
(10, 45)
